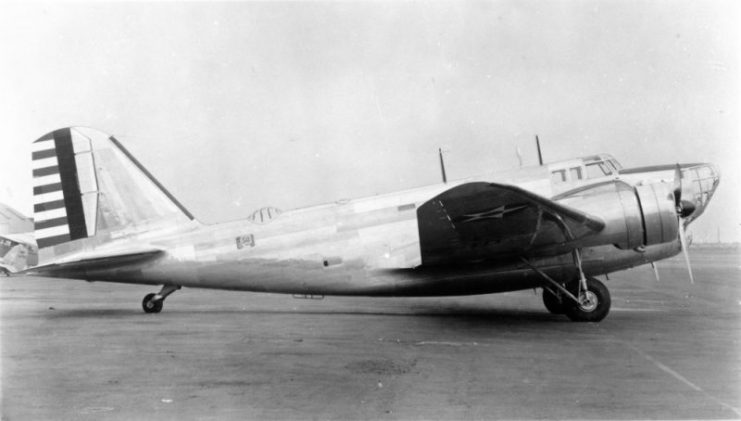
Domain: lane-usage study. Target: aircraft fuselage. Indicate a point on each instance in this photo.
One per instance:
(368, 246)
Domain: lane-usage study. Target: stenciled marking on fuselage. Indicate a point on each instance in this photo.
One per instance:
(245, 240)
(496, 213)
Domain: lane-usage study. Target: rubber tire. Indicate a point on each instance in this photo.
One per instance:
(577, 313)
(553, 303)
(150, 305)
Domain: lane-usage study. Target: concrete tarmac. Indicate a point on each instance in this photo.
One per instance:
(73, 350)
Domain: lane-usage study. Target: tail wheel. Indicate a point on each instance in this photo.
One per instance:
(594, 303)
(554, 303)
(150, 305)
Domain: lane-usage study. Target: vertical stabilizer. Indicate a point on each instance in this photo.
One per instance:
(86, 185)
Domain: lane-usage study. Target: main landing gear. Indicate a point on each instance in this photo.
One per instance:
(590, 305)
(153, 303)
(582, 300)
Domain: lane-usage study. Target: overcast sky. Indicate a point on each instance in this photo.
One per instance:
(235, 106)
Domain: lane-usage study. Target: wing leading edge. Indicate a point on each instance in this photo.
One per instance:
(487, 221)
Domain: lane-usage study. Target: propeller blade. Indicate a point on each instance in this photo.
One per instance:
(678, 187)
(656, 271)
(683, 241)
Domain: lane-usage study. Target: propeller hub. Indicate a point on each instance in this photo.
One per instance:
(686, 208)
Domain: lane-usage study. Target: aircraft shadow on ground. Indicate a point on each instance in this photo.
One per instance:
(474, 314)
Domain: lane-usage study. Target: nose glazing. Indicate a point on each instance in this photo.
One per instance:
(698, 185)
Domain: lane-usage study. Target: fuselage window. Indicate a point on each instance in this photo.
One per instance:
(558, 176)
(575, 173)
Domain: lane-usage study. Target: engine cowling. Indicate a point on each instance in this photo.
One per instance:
(634, 216)
(660, 222)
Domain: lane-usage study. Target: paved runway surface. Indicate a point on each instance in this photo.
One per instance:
(73, 350)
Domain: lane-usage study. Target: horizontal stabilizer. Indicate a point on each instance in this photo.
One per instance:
(78, 265)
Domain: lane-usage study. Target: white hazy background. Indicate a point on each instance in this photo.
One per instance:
(235, 106)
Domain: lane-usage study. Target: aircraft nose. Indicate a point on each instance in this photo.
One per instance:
(698, 185)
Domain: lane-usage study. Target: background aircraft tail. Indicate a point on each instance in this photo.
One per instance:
(17, 246)
(87, 186)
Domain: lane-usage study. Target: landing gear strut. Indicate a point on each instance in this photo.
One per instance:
(582, 300)
(153, 303)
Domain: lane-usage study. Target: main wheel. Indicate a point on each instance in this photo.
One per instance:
(553, 303)
(150, 305)
(594, 303)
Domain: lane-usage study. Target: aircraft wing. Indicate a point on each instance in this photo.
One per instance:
(79, 265)
(487, 221)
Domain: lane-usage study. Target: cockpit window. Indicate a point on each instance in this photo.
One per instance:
(597, 169)
(614, 166)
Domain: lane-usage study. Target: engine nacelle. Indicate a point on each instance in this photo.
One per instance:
(634, 216)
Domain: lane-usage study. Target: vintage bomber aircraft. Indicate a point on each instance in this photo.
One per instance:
(101, 216)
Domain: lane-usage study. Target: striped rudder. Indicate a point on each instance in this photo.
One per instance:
(62, 210)
(86, 184)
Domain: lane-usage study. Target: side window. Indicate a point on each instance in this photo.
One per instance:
(558, 176)
(575, 173)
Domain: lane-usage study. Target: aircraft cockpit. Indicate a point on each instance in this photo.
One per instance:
(586, 168)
